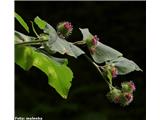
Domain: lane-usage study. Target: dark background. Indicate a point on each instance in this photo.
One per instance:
(121, 25)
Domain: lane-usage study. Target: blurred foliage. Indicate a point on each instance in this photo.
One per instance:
(121, 25)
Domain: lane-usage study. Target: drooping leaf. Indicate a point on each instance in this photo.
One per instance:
(102, 53)
(59, 60)
(59, 75)
(64, 47)
(125, 65)
(41, 23)
(57, 44)
(21, 38)
(22, 22)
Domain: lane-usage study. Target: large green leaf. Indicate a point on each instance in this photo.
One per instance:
(59, 75)
(125, 65)
(24, 57)
(57, 44)
(21, 38)
(102, 52)
(22, 22)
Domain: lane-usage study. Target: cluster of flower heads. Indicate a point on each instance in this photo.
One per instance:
(123, 96)
(64, 29)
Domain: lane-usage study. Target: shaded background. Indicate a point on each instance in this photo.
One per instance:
(121, 25)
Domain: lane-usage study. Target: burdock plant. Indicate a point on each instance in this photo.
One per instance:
(39, 51)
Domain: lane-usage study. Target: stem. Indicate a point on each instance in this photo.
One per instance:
(34, 29)
(98, 68)
(79, 42)
(36, 42)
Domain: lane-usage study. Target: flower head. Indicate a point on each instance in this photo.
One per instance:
(64, 29)
(68, 26)
(114, 95)
(126, 99)
(95, 40)
(92, 41)
(128, 87)
(132, 85)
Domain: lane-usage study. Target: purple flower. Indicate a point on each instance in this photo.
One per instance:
(128, 97)
(128, 87)
(64, 29)
(95, 39)
(68, 26)
(132, 85)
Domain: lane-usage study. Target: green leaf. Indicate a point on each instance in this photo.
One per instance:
(24, 57)
(60, 60)
(41, 23)
(125, 66)
(86, 34)
(57, 44)
(22, 22)
(59, 75)
(102, 52)
(21, 38)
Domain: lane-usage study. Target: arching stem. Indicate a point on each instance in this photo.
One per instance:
(99, 70)
(34, 29)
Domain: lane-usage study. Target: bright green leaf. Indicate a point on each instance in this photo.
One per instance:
(125, 66)
(41, 23)
(22, 22)
(24, 57)
(59, 75)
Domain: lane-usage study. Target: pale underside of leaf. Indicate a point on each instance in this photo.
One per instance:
(105, 53)
(102, 52)
(57, 44)
(59, 75)
(22, 22)
(125, 65)
(85, 32)
(21, 38)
